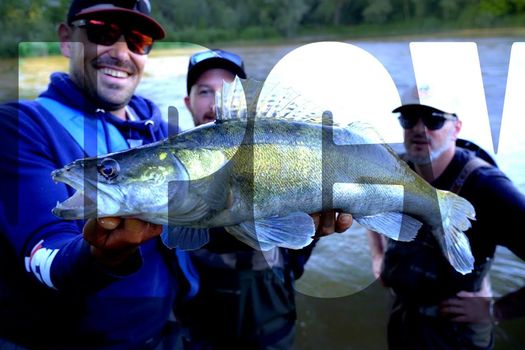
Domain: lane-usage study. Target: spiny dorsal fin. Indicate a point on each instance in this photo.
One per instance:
(277, 101)
(230, 103)
(366, 131)
(243, 98)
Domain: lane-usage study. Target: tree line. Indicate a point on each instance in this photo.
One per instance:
(208, 21)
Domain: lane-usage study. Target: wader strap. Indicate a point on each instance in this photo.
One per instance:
(471, 165)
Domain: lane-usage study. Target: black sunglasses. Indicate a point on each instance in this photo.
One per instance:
(204, 55)
(106, 33)
(432, 120)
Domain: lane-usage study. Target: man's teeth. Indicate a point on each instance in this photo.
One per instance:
(114, 73)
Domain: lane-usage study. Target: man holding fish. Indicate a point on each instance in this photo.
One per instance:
(104, 283)
(247, 298)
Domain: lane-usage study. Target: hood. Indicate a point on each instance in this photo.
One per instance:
(62, 89)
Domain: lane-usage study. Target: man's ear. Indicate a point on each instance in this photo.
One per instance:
(64, 34)
(187, 103)
(457, 128)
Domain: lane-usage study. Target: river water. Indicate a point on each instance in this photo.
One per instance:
(340, 306)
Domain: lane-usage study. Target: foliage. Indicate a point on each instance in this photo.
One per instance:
(377, 11)
(214, 21)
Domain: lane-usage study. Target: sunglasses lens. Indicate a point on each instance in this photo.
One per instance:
(407, 122)
(431, 122)
(139, 43)
(434, 123)
(102, 33)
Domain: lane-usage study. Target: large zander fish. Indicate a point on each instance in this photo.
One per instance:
(259, 177)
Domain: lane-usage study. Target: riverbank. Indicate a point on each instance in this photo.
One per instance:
(262, 37)
(11, 69)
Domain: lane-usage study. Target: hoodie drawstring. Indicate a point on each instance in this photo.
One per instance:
(150, 124)
(105, 128)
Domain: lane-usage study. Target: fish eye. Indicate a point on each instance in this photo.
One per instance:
(108, 168)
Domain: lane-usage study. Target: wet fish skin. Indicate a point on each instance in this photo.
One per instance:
(260, 182)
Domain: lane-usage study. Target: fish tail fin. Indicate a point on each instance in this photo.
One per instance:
(455, 214)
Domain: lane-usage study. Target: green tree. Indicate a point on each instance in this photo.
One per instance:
(449, 8)
(377, 11)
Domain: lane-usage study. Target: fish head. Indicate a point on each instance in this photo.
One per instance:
(128, 183)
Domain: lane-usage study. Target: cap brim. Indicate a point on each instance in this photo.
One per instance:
(413, 107)
(142, 21)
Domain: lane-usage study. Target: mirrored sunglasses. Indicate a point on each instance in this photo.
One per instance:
(105, 33)
(431, 120)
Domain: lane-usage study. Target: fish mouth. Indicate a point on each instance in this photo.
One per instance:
(80, 205)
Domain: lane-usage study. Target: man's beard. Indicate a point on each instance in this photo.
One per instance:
(431, 155)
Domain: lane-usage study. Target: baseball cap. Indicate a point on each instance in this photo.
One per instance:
(426, 98)
(137, 12)
(211, 59)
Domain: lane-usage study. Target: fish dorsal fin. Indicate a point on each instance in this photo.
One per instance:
(230, 102)
(366, 131)
(241, 99)
(278, 101)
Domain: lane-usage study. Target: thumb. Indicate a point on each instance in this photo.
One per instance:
(109, 223)
(464, 294)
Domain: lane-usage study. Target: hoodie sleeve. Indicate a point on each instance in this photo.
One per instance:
(51, 250)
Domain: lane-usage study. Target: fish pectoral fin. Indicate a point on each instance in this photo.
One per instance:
(187, 210)
(293, 231)
(219, 195)
(394, 225)
(185, 238)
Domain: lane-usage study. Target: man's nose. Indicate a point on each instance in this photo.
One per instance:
(120, 48)
(420, 126)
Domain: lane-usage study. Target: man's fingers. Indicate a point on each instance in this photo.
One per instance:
(451, 302)
(464, 294)
(455, 310)
(109, 223)
(326, 224)
(117, 233)
(316, 217)
(329, 222)
(343, 222)
(459, 318)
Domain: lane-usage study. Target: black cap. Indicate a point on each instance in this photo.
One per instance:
(211, 59)
(416, 107)
(137, 12)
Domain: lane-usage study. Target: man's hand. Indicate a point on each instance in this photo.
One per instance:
(467, 307)
(377, 244)
(114, 240)
(331, 221)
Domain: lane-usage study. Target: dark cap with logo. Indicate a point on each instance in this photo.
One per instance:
(212, 59)
(136, 12)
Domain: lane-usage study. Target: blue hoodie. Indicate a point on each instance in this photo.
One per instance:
(52, 293)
